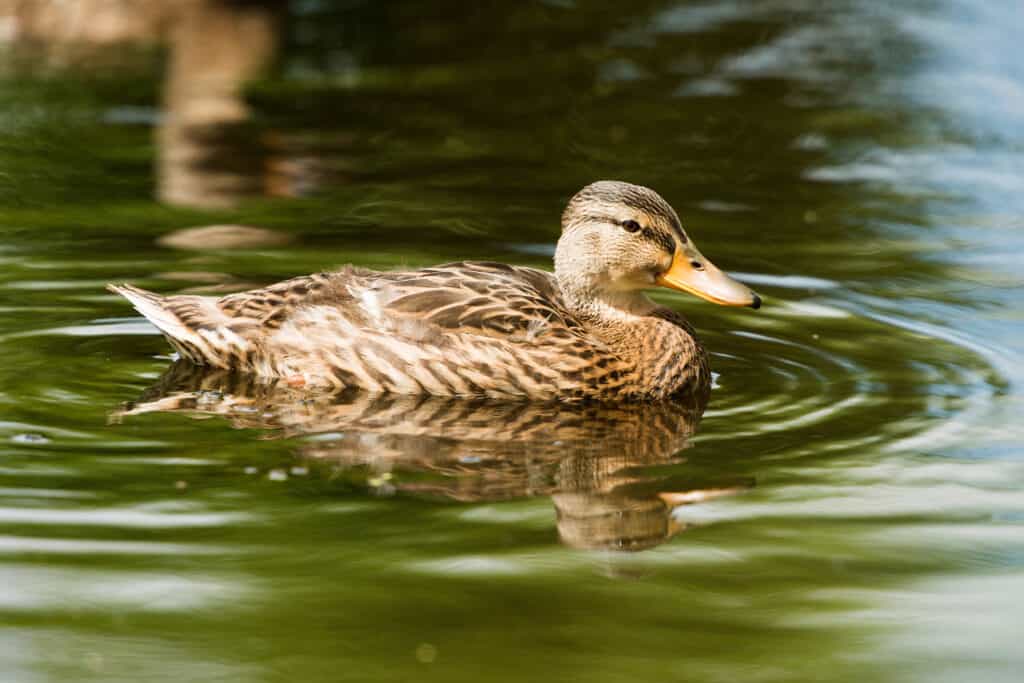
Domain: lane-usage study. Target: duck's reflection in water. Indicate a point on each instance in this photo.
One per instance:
(594, 461)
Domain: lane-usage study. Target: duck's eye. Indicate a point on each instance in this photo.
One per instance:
(630, 226)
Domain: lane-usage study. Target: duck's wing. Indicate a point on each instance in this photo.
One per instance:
(461, 329)
(268, 307)
(512, 303)
(476, 298)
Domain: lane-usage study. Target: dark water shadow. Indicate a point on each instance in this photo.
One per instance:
(601, 465)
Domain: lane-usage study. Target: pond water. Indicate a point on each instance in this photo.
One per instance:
(850, 506)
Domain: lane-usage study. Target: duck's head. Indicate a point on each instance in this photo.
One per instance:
(619, 238)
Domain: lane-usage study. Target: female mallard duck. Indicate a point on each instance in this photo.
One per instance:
(484, 329)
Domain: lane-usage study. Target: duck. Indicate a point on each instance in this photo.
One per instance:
(587, 331)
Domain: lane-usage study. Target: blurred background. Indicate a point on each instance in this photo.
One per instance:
(850, 506)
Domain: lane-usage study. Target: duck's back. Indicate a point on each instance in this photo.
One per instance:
(468, 328)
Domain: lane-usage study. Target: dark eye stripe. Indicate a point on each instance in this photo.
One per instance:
(662, 239)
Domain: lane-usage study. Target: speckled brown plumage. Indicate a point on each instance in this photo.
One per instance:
(469, 328)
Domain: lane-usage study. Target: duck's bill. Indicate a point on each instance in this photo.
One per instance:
(691, 272)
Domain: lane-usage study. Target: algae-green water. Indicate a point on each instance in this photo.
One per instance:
(849, 507)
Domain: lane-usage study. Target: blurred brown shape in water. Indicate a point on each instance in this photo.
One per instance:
(210, 154)
(97, 22)
(223, 237)
(589, 458)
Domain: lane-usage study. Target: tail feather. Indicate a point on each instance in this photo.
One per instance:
(153, 308)
(194, 325)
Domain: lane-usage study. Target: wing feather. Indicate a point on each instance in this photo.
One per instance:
(477, 298)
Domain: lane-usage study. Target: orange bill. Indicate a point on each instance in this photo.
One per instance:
(691, 272)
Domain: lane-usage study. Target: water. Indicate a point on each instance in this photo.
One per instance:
(848, 507)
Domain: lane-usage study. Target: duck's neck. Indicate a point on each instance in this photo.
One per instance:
(658, 343)
(607, 309)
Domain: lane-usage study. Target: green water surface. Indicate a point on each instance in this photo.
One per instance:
(849, 507)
